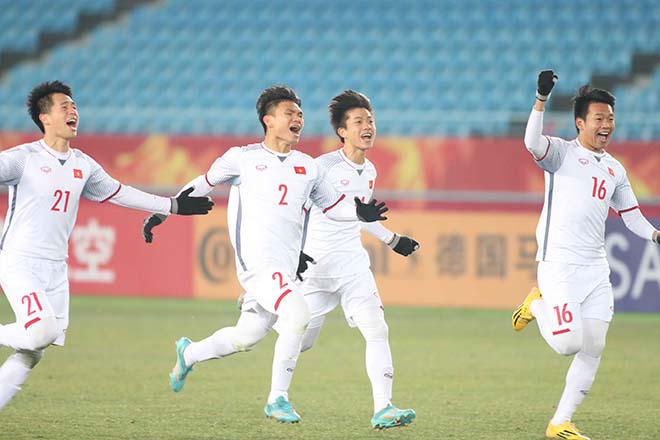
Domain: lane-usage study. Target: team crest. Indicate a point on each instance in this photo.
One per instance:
(261, 167)
(77, 174)
(344, 182)
(583, 161)
(46, 169)
(611, 171)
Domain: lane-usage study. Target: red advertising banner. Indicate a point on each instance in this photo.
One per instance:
(405, 164)
(107, 255)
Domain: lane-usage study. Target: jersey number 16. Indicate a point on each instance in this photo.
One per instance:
(599, 189)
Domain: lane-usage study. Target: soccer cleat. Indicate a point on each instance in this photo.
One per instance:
(391, 417)
(565, 430)
(180, 370)
(523, 315)
(282, 411)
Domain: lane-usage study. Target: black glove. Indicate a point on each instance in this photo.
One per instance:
(370, 212)
(546, 82)
(186, 205)
(149, 223)
(657, 237)
(403, 245)
(302, 264)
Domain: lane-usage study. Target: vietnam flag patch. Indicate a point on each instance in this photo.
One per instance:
(371, 184)
(611, 171)
(300, 170)
(77, 174)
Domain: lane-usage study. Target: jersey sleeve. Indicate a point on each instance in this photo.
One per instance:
(100, 186)
(554, 154)
(226, 168)
(624, 198)
(548, 152)
(12, 164)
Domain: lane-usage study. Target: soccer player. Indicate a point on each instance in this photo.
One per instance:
(270, 185)
(575, 303)
(341, 273)
(46, 179)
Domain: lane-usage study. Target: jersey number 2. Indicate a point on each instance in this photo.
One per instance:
(59, 194)
(599, 190)
(284, 190)
(29, 298)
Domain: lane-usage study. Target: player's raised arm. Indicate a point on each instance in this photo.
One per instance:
(400, 244)
(548, 154)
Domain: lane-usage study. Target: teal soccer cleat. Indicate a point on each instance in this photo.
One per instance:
(282, 411)
(180, 370)
(391, 417)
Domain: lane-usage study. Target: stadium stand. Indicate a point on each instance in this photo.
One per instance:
(431, 67)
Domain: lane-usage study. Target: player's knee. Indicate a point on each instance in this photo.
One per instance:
(293, 314)
(246, 340)
(594, 347)
(43, 333)
(568, 346)
(372, 325)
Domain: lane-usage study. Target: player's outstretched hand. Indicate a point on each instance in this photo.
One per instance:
(370, 212)
(186, 205)
(149, 223)
(303, 259)
(403, 245)
(546, 82)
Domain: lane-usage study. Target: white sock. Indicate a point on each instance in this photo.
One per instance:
(579, 379)
(218, 345)
(380, 371)
(14, 372)
(287, 350)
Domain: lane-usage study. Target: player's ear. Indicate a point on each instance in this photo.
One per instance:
(268, 120)
(44, 118)
(341, 131)
(580, 123)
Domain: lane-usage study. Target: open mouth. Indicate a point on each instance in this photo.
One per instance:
(295, 129)
(603, 136)
(72, 123)
(367, 136)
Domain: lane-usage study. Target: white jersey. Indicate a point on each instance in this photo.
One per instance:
(266, 203)
(580, 187)
(336, 246)
(45, 187)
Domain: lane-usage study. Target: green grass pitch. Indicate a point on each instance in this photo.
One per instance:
(465, 372)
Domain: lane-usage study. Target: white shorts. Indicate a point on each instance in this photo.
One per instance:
(355, 292)
(267, 288)
(36, 289)
(586, 286)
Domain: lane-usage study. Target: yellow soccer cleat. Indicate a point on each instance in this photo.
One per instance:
(523, 315)
(565, 430)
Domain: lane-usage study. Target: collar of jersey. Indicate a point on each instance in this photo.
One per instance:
(276, 153)
(350, 162)
(601, 155)
(57, 154)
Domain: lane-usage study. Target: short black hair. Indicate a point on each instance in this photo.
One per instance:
(40, 101)
(585, 96)
(341, 104)
(272, 96)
